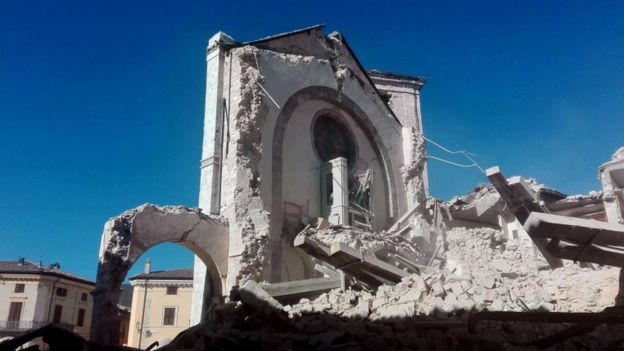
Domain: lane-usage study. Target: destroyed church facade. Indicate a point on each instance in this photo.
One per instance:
(295, 129)
(306, 154)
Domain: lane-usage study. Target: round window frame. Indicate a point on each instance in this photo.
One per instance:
(340, 119)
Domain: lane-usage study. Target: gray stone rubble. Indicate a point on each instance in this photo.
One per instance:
(428, 311)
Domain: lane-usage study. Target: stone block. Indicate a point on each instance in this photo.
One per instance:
(487, 282)
(437, 289)
(411, 295)
(399, 310)
(378, 303)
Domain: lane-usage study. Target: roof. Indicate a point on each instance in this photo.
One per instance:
(418, 79)
(370, 81)
(23, 266)
(285, 34)
(174, 274)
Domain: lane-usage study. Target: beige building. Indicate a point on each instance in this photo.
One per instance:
(33, 295)
(161, 311)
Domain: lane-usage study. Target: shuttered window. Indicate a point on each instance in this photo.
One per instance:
(169, 316)
(81, 316)
(15, 311)
(58, 311)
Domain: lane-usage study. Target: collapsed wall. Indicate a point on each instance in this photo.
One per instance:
(511, 268)
(433, 310)
(436, 309)
(483, 269)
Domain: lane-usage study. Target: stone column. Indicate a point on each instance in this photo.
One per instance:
(335, 191)
(614, 208)
(210, 180)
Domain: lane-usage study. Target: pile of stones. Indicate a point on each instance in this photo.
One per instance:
(484, 271)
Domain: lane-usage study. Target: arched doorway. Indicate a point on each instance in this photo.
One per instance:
(129, 235)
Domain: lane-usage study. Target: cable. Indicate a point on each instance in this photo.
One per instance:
(461, 152)
(269, 95)
(452, 163)
(447, 150)
(260, 85)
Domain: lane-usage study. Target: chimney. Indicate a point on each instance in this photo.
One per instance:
(148, 266)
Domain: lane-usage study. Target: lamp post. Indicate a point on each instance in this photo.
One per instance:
(148, 266)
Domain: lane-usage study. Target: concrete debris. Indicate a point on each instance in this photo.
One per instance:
(482, 285)
(426, 311)
(354, 238)
(380, 245)
(510, 268)
(486, 193)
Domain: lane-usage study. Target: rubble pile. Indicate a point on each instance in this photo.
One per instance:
(262, 323)
(487, 193)
(429, 294)
(354, 238)
(393, 318)
(485, 271)
(432, 310)
(514, 273)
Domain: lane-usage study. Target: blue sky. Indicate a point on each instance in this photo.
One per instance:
(101, 103)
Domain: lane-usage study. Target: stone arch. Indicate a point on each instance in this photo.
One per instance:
(130, 234)
(361, 119)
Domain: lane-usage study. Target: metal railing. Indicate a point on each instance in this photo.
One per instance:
(26, 325)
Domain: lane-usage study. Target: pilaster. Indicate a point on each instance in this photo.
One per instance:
(210, 165)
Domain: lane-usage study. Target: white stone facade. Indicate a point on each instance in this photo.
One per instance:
(260, 167)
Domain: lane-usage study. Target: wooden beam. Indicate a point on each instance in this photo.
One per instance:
(579, 239)
(302, 287)
(370, 262)
(521, 201)
(365, 267)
